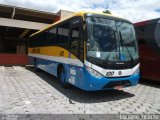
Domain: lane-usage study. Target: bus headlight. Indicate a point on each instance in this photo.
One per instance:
(94, 72)
(136, 72)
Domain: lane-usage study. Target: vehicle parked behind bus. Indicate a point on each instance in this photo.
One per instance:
(92, 51)
(148, 34)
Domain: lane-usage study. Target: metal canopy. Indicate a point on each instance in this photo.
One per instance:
(24, 20)
(19, 13)
(22, 24)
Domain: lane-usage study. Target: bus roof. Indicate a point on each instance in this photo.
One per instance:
(151, 21)
(81, 13)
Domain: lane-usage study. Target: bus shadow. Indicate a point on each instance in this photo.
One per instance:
(77, 95)
(151, 83)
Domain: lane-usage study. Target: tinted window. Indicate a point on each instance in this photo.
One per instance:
(157, 37)
(157, 34)
(63, 34)
(140, 34)
(35, 41)
(44, 38)
(40, 40)
(75, 37)
(32, 42)
(55, 36)
(149, 33)
(52, 36)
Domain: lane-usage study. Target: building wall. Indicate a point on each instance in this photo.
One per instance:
(64, 13)
(13, 59)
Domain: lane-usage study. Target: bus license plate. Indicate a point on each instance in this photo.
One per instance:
(118, 87)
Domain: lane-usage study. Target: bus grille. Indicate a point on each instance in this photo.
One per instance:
(112, 84)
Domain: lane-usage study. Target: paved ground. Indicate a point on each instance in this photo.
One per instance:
(23, 91)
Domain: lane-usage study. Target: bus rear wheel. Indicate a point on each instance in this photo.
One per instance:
(62, 78)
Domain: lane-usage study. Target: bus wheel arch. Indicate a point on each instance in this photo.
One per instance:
(35, 65)
(60, 72)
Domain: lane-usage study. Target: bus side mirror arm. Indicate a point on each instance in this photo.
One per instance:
(84, 21)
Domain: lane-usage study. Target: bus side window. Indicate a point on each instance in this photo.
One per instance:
(35, 41)
(140, 34)
(157, 35)
(75, 38)
(44, 38)
(31, 41)
(52, 36)
(38, 40)
(63, 34)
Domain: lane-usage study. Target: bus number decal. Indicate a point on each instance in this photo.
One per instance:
(35, 50)
(61, 53)
(110, 73)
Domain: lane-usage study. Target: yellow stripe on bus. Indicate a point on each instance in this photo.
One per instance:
(51, 51)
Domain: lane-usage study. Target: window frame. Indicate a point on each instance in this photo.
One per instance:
(81, 35)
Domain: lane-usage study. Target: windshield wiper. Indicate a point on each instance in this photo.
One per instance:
(122, 43)
(108, 56)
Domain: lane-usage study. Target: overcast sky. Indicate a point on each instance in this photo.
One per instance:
(133, 10)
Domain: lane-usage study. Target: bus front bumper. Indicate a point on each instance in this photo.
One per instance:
(93, 84)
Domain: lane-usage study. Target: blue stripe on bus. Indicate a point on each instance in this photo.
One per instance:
(83, 79)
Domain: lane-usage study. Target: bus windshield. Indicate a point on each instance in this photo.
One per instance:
(111, 40)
